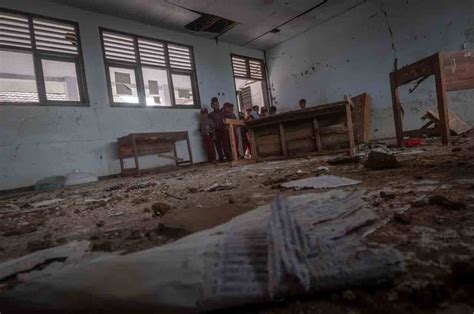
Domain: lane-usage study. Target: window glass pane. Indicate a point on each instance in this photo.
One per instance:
(156, 87)
(60, 79)
(183, 91)
(17, 77)
(124, 85)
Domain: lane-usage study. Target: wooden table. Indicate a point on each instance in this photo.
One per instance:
(453, 71)
(317, 130)
(142, 144)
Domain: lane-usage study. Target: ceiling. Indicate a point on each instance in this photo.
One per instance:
(255, 18)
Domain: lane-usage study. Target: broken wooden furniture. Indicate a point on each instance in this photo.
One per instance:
(456, 125)
(232, 125)
(323, 129)
(453, 71)
(142, 144)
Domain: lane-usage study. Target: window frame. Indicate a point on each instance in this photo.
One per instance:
(266, 96)
(137, 66)
(39, 55)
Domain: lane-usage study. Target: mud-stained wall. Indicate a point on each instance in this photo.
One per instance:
(36, 142)
(354, 52)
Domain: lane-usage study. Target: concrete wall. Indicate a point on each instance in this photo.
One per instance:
(354, 52)
(36, 142)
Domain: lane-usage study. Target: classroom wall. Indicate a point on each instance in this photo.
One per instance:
(37, 142)
(355, 52)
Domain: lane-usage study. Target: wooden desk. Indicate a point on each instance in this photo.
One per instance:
(317, 130)
(453, 71)
(142, 144)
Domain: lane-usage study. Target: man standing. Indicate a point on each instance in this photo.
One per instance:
(217, 117)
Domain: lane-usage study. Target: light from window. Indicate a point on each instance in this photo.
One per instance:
(183, 89)
(17, 77)
(156, 87)
(60, 80)
(124, 85)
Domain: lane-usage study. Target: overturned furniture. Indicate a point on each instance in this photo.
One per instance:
(453, 71)
(456, 125)
(142, 144)
(322, 129)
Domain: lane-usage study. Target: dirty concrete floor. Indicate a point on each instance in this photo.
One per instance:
(427, 205)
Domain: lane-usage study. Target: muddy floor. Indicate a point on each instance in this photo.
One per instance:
(426, 204)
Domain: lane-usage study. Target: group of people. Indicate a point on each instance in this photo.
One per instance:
(215, 133)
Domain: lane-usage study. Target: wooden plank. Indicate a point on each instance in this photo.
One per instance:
(234, 122)
(397, 110)
(442, 98)
(458, 69)
(174, 158)
(350, 129)
(422, 132)
(233, 147)
(416, 70)
(137, 165)
(253, 145)
(361, 117)
(317, 135)
(243, 162)
(190, 152)
(283, 140)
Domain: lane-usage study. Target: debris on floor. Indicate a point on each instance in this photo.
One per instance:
(306, 243)
(434, 235)
(379, 160)
(321, 182)
(456, 124)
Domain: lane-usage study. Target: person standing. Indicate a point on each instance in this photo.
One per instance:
(207, 132)
(228, 113)
(217, 117)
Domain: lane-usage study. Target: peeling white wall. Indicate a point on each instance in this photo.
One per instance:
(36, 142)
(355, 51)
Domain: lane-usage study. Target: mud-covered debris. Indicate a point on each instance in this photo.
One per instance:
(160, 208)
(463, 271)
(100, 223)
(443, 201)
(349, 295)
(140, 200)
(140, 186)
(220, 187)
(47, 202)
(36, 245)
(192, 190)
(344, 160)
(387, 195)
(379, 160)
(321, 182)
(420, 202)
(402, 218)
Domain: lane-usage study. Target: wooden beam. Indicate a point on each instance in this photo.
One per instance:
(350, 129)
(234, 122)
(317, 135)
(441, 95)
(284, 148)
(134, 144)
(253, 145)
(397, 110)
(233, 146)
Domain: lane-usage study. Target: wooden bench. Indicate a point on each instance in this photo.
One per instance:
(143, 144)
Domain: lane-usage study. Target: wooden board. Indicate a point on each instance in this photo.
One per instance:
(361, 117)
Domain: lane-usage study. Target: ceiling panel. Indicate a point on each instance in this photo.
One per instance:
(255, 18)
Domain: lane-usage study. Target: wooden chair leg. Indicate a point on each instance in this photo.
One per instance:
(442, 98)
(397, 111)
(189, 149)
(135, 151)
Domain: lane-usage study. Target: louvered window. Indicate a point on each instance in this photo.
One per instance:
(247, 68)
(148, 72)
(41, 61)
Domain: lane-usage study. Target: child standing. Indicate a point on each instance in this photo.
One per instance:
(207, 131)
(217, 117)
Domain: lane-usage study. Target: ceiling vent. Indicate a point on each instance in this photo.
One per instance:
(210, 23)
